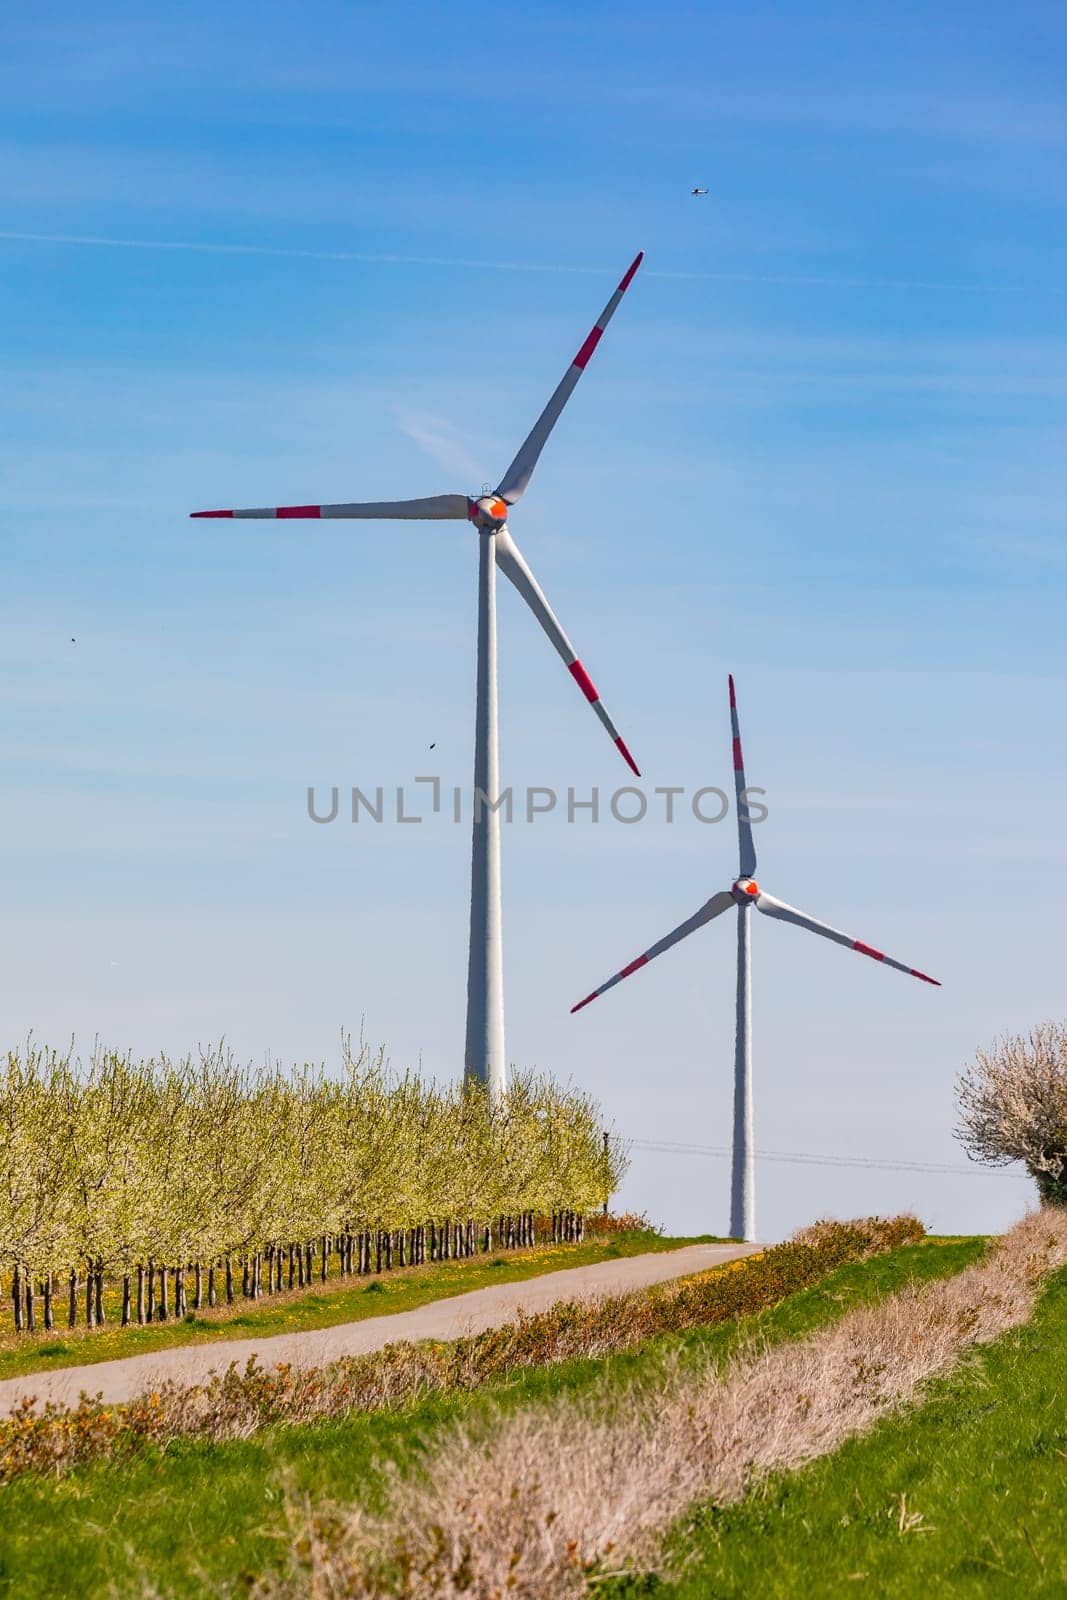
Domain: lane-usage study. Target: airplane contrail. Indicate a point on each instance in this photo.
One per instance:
(370, 258)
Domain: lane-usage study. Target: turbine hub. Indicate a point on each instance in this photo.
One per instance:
(489, 513)
(745, 889)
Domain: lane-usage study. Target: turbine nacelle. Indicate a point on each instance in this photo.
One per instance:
(744, 889)
(489, 513)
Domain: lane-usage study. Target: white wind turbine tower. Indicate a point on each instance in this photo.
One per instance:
(485, 1052)
(744, 894)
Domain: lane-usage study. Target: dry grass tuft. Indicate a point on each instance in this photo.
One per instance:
(542, 1501)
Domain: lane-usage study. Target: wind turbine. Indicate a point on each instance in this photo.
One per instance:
(485, 1053)
(745, 893)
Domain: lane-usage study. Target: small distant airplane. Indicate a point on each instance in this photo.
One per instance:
(698, 191)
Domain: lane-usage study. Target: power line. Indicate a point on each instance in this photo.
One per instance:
(806, 1158)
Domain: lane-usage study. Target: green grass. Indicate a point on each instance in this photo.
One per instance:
(982, 1467)
(325, 1306)
(200, 1515)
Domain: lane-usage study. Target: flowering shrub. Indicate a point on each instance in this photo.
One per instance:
(1013, 1107)
(601, 1223)
(236, 1404)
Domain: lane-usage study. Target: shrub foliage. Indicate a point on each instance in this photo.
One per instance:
(1013, 1107)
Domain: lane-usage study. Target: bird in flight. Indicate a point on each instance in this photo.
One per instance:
(698, 191)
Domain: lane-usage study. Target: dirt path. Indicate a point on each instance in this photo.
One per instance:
(452, 1318)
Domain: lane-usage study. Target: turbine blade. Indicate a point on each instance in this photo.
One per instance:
(800, 919)
(436, 507)
(514, 483)
(510, 560)
(711, 908)
(744, 825)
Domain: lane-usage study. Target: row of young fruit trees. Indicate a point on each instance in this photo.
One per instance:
(185, 1183)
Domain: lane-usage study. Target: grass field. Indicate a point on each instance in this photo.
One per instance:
(324, 1306)
(966, 1495)
(204, 1515)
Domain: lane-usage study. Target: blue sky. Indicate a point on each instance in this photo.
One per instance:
(820, 446)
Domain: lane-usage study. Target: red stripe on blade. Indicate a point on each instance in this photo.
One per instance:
(211, 513)
(587, 348)
(298, 511)
(917, 974)
(635, 263)
(584, 1002)
(583, 680)
(620, 745)
(642, 961)
(733, 697)
(866, 950)
(739, 760)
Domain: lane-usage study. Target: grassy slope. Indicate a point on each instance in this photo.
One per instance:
(326, 1305)
(983, 1469)
(204, 1514)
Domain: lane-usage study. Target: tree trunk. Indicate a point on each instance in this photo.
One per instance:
(229, 1281)
(322, 1264)
(16, 1295)
(212, 1295)
(151, 1291)
(198, 1291)
(72, 1304)
(31, 1305)
(49, 1314)
(140, 1294)
(127, 1288)
(90, 1303)
(98, 1288)
(162, 1312)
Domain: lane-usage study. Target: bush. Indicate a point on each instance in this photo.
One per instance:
(1013, 1107)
